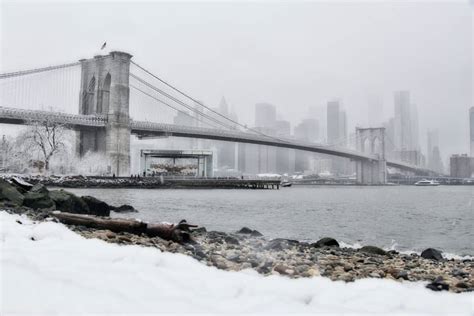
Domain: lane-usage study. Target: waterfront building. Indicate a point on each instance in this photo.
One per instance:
(461, 166)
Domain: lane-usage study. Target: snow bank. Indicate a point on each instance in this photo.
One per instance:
(61, 272)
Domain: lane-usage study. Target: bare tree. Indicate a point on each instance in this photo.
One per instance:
(6, 150)
(45, 137)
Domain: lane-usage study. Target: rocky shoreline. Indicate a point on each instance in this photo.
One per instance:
(248, 249)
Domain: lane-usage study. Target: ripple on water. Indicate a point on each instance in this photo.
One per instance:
(415, 219)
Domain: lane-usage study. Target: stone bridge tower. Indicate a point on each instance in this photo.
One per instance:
(105, 91)
(371, 141)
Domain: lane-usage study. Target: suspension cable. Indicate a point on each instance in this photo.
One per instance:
(169, 105)
(201, 104)
(37, 70)
(180, 102)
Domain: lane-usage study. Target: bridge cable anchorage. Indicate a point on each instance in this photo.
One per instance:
(201, 104)
(174, 108)
(178, 101)
(37, 70)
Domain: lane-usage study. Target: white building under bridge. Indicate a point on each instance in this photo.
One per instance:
(198, 163)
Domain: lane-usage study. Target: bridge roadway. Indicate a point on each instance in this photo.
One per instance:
(148, 129)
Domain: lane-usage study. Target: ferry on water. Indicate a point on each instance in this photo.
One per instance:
(427, 183)
(286, 183)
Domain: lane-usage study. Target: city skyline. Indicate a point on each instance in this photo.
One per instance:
(244, 60)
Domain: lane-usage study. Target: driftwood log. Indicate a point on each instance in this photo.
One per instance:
(176, 232)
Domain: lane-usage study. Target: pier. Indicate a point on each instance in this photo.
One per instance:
(159, 183)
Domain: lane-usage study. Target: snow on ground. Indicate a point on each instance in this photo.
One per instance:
(62, 272)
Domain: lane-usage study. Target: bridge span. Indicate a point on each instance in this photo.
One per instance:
(144, 129)
(104, 123)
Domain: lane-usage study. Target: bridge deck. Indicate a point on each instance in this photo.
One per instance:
(149, 129)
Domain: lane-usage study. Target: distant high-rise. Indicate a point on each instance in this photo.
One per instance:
(432, 141)
(307, 130)
(375, 111)
(389, 137)
(333, 122)
(283, 155)
(265, 115)
(436, 163)
(337, 134)
(265, 122)
(433, 153)
(342, 129)
(471, 125)
(226, 152)
(405, 123)
(183, 118)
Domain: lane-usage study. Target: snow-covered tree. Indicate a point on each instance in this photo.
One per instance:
(46, 138)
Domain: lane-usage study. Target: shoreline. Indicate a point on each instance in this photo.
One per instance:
(235, 251)
(47, 266)
(98, 182)
(248, 249)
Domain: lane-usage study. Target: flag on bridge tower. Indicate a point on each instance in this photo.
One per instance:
(103, 45)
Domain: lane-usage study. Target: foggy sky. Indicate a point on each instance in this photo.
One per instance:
(293, 55)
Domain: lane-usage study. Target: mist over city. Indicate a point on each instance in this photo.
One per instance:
(237, 157)
(296, 56)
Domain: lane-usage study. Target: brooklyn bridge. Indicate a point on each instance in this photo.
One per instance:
(105, 116)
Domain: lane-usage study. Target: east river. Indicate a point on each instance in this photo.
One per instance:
(392, 217)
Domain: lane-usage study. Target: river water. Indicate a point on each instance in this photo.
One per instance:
(392, 217)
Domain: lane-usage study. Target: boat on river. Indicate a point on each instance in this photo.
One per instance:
(427, 183)
(286, 183)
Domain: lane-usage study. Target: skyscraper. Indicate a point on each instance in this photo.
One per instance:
(337, 134)
(333, 122)
(226, 151)
(471, 125)
(265, 115)
(342, 129)
(307, 130)
(183, 118)
(375, 111)
(265, 122)
(406, 122)
(283, 155)
(432, 142)
(389, 137)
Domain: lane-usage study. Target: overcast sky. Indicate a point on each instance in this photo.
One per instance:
(295, 55)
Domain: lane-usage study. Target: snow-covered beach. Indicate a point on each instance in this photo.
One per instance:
(47, 268)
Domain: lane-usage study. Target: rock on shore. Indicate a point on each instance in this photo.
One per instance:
(14, 192)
